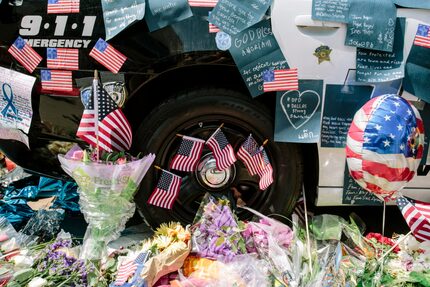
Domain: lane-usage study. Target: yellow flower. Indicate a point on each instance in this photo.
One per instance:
(162, 241)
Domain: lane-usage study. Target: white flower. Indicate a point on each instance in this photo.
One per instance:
(22, 261)
(37, 282)
(410, 244)
(425, 245)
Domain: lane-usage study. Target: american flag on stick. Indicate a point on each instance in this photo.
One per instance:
(55, 80)
(63, 6)
(222, 150)
(108, 56)
(422, 37)
(166, 191)
(417, 215)
(188, 155)
(103, 124)
(62, 58)
(203, 3)
(128, 268)
(280, 80)
(250, 154)
(265, 172)
(25, 54)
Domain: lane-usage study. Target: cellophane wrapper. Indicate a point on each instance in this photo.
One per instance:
(106, 193)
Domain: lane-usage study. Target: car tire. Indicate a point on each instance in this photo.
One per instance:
(198, 113)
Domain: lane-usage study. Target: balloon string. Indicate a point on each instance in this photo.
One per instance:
(383, 219)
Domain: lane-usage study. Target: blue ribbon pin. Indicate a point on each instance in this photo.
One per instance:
(8, 97)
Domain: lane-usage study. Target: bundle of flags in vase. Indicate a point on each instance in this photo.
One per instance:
(189, 153)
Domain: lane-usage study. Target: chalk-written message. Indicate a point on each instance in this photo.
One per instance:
(161, 13)
(118, 15)
(15, 100)
(377, 66)
(330, 10)
(254, 51)
(298, 113)
(353, 193)
(234, 16)
(341, 104)
(371, 24)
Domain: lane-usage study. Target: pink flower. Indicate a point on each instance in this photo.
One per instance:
(77, 155)
(121, 160)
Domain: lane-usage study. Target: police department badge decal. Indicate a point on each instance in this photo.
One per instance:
(322, 53)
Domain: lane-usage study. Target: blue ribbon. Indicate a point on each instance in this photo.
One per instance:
(9, 99)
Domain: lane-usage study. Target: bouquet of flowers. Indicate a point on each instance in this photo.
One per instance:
(106, 189)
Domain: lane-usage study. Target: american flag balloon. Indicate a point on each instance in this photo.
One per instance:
(385, 145)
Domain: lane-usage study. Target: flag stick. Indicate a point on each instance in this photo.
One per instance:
(215, 132)
(96, 109)
(157, 167)
(383, 219)
(265, 142)
(308, 239)
(179, 135)
(395, 245)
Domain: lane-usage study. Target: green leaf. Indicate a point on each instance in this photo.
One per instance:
(219, 241)
(13, 284)
(92, 279)
(23, 275)
(111, 264)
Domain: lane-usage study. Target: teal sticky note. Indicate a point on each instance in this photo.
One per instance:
(255, 50)
(161, 13)
(424, 4)
(341, 104)
(118, 15)
(377, 66)
(234, 16)
(298, 113)
(371, 24)
(330, 10)
(417, 71)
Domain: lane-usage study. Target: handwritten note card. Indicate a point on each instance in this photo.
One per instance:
(118, 15)
(234, 16)
(161, 13)
(376, 66)
(15, 100)
(330, 10)
(353, 193)
(254, 51)
(298, 113)
(342, 102)
(371, 24)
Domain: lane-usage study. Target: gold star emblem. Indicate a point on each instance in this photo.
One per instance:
(322, 53)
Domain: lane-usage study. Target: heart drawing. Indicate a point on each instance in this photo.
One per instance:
(299, 107)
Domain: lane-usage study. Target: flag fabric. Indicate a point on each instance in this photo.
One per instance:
(265, 172)
(188, 155)
(375, 160)
(222, 150)
(25, 54)
(422, 37)
(63, 6)
(105, 119)
(280, 80)
(417, 215)
(249, 153)
(55, 80)
(203, 3)
(166, 191)
(128, 268)
(108, 56)
(213, 28)
(62, 58)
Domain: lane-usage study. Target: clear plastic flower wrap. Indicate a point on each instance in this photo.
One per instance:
(45, 224)
(106, 191)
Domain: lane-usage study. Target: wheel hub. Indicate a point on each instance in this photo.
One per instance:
(210, 177)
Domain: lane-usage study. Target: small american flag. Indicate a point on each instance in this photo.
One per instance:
(280, 80)
(249, 153)
(62, 58)
(417, 215)
(108, 56)
(213, 28)
(166, 191)
(222, 150)
(422, 38)
(106, 120)
(128, 268)
(188, 154)
(55, 80)
(266, 172)
(63, 6)
(25, 54)
(203, 3)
